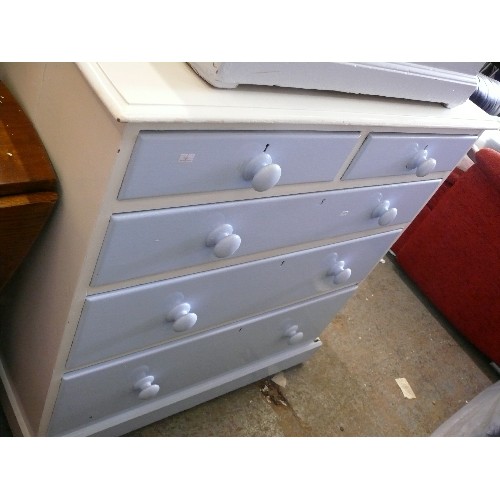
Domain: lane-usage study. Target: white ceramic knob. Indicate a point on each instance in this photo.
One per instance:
(384, 213)
(340, 273)
(293, 335)
(223, 240)
(146, 388)
(182, 317)
(263, 173)
(426, 167)
(421, 163)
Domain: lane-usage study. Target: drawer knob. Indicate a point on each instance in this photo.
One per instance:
(223, 240)
(293, 335)
(146, 388)
(340, 273)
(384, 213)
(263, 173)
(182, 317)
(421, 164)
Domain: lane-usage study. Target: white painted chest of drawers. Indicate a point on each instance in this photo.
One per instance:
(205, 237)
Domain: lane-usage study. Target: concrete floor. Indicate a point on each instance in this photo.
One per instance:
(387, 331)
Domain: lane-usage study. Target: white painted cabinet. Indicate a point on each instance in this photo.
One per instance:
(205, 237)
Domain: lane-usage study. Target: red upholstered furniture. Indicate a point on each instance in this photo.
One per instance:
(452, 251)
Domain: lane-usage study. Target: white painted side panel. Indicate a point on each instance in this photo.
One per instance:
(81, 140)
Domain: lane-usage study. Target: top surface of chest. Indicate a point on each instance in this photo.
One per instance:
(171, 93)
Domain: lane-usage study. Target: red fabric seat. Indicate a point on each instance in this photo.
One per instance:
(452, 252)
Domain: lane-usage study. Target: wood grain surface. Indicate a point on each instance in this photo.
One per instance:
(27, 185)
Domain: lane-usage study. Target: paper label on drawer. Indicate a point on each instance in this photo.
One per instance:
(186, 158)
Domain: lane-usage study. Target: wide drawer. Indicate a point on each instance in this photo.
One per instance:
(121, 321)
(107, 389)
(165, 163)
(386, 154)
(146, 243)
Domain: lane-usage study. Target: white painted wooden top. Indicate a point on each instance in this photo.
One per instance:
(172, 93)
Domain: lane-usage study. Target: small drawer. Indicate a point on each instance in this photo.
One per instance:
(122, 321)
(146, 243)
(165, 163)
(415, 155)
(105, 390)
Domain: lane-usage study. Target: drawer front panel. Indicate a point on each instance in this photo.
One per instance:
(104, 390)
(119, 322)
(165, 163)
(393, 154)
(147, 243)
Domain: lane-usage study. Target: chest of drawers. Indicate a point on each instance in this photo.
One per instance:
(205, 237)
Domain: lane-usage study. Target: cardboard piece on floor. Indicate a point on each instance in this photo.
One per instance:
(405, 388)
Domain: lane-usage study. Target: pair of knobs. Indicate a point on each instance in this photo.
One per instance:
(262, 172)
(339, 273)
(226, 243)
(421, 163)
(148, 390)
(183, 319)
(384, 213)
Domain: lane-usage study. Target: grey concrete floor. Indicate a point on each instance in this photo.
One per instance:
(387, 330)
